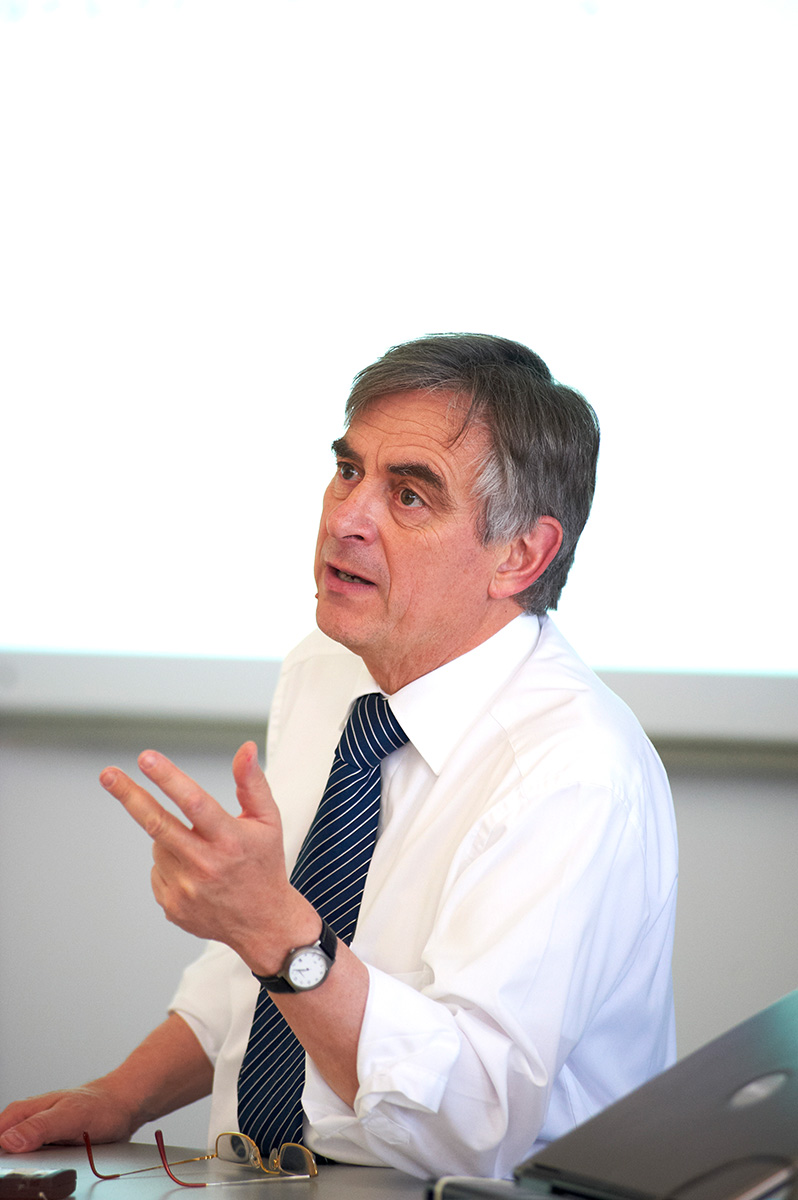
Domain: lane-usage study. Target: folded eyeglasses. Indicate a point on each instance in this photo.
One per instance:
(290, 1161)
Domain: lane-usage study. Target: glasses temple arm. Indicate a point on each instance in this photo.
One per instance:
(87, 1143)
(168, 1169)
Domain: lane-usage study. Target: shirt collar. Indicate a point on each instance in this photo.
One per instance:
(438, 709)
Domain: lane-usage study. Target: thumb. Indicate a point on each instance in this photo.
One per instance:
(29, 1124)
(253, 792)
(28, 1135)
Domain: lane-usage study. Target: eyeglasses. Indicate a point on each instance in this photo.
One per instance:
(291, 1160)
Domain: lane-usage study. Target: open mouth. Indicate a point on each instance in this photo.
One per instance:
(351, 578)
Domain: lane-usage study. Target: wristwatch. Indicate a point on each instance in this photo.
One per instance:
(305, 967)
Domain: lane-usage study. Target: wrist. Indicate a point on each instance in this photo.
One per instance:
(296, 923)
(115, 1096)
(305, 967)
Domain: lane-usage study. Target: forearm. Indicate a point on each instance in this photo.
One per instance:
(327, 1021)
(166, 1071)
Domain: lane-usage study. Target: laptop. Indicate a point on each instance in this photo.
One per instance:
(722, 1124)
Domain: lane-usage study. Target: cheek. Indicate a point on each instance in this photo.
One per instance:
(422, 574)
(463, 572)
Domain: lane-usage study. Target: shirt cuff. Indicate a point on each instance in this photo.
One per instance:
(396, 1070)
(405, 1060)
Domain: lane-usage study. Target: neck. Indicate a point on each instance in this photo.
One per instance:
(392, 672)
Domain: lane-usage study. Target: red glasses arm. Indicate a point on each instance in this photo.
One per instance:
(167, 1168)
(87, 1141)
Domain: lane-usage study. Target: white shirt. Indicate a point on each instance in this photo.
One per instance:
(517, 920)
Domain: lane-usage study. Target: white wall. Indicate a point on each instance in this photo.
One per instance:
(88, 964)
(736, 949)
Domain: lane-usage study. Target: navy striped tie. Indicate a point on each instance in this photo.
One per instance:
(330, 872)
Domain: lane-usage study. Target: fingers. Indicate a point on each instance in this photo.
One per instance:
(27, 1135)
(200, 809)
(59, 1117)
(253, 792)
(17, 1131)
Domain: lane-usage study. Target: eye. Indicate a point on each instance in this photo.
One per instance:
(346, 471)
(409, 499)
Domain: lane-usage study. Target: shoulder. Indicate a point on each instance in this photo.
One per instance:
(566, 727)
(318, 680)
(319, 662)
(316, 648)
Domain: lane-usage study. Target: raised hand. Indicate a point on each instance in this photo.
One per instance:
(219, 877)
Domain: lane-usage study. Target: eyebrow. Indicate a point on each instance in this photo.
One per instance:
(421, 471)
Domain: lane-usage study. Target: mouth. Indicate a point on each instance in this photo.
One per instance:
(347, 578)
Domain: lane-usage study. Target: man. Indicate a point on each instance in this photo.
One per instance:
(510, 970)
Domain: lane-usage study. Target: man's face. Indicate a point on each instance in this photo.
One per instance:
(403, 579)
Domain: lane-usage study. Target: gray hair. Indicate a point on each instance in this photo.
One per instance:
(544, 437)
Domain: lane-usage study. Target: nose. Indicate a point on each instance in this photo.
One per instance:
(354, 516)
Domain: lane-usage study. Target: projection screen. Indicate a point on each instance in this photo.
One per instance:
(215, 213)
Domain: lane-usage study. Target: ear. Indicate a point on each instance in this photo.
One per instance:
(526, 558)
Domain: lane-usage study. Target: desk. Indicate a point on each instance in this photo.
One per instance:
(338, 1182)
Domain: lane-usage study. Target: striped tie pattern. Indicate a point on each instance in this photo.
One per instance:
(331, 873)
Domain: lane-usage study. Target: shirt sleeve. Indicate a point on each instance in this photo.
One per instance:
(202, 998)
(456, 1074)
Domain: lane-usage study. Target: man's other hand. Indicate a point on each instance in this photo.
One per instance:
(169, 1069)
(61, 1117)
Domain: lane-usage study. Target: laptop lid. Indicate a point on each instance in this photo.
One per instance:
(721, 1123)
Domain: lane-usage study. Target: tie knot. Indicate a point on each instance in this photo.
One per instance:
(371, 732)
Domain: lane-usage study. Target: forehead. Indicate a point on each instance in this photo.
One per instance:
(419, 426)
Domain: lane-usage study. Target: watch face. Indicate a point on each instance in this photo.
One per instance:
(308, 968)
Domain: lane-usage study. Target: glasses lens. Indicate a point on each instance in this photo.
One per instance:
(237, 1148)
(296, 1160)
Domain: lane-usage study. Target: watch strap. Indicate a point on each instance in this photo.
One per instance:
(328, 942)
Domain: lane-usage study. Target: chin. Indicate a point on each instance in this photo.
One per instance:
(336, 627)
